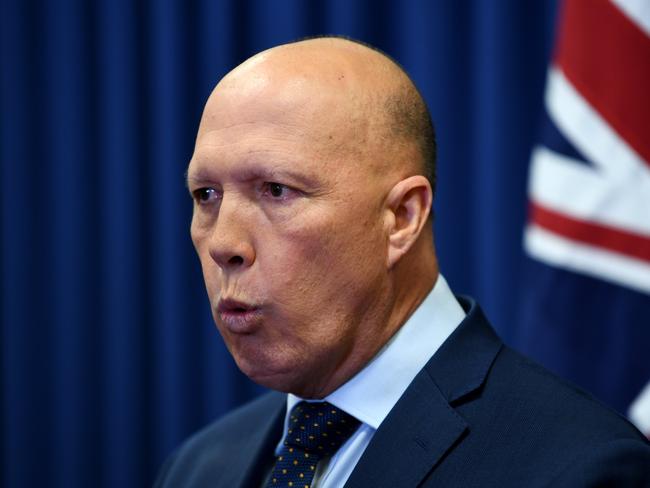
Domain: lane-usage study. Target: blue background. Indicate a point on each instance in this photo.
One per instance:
(109, 357)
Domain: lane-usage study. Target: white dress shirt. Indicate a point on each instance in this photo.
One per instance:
(372, 393)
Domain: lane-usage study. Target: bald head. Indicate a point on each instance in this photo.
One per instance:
(374, 104)
(311, 210)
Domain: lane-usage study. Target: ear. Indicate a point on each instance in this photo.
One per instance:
(408, 205)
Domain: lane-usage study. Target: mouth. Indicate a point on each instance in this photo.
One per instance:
(237, 316)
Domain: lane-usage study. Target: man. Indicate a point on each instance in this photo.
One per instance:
(313, 179)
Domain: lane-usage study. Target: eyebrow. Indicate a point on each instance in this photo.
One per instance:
(249, 174)
(271, 174)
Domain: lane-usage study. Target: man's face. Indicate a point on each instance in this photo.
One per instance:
(289, 227)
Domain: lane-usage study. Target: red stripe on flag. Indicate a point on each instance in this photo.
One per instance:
(617, 240)
(606, 56)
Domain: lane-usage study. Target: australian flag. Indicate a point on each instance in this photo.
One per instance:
(586, 304)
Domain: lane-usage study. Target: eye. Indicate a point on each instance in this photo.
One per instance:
(205, 195)
(276, 190)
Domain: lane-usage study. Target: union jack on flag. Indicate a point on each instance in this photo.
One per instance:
(586, 304)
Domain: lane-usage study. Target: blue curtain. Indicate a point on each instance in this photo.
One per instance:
(109, 357)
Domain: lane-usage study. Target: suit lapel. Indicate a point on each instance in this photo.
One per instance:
(413, 438)
(423, 426)
(249, 470)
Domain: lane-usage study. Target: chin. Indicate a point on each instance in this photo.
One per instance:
(271, 373)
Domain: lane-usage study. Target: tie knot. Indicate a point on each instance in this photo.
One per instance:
(319, 428)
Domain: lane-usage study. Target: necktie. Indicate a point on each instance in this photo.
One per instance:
(316, 430)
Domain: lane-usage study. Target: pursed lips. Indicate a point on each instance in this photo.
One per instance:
(237, 316)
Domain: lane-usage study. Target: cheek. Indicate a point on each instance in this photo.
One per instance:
(208, 266)
(325, 265)
(199, 235)
(347, 247)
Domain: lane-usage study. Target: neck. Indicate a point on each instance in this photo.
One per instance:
(415, 277)
(410, 282)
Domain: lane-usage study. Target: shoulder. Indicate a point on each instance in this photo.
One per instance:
(525, 423)
(551, 430)
(231, 426)
(539, 397)
(216, 448)
(513, 383)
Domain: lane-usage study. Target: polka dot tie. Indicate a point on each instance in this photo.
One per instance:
(316, 430)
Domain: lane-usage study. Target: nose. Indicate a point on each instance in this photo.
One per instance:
(230, 242)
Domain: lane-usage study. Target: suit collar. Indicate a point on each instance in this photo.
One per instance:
(423, 426)
(462, 363)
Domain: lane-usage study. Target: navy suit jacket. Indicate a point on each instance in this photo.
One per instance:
(478, 414)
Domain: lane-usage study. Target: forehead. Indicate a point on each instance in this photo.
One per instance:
(255, 147)
(276, 128)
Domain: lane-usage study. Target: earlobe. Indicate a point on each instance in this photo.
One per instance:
(409, 205)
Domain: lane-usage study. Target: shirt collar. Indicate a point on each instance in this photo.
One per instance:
(372, 393)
